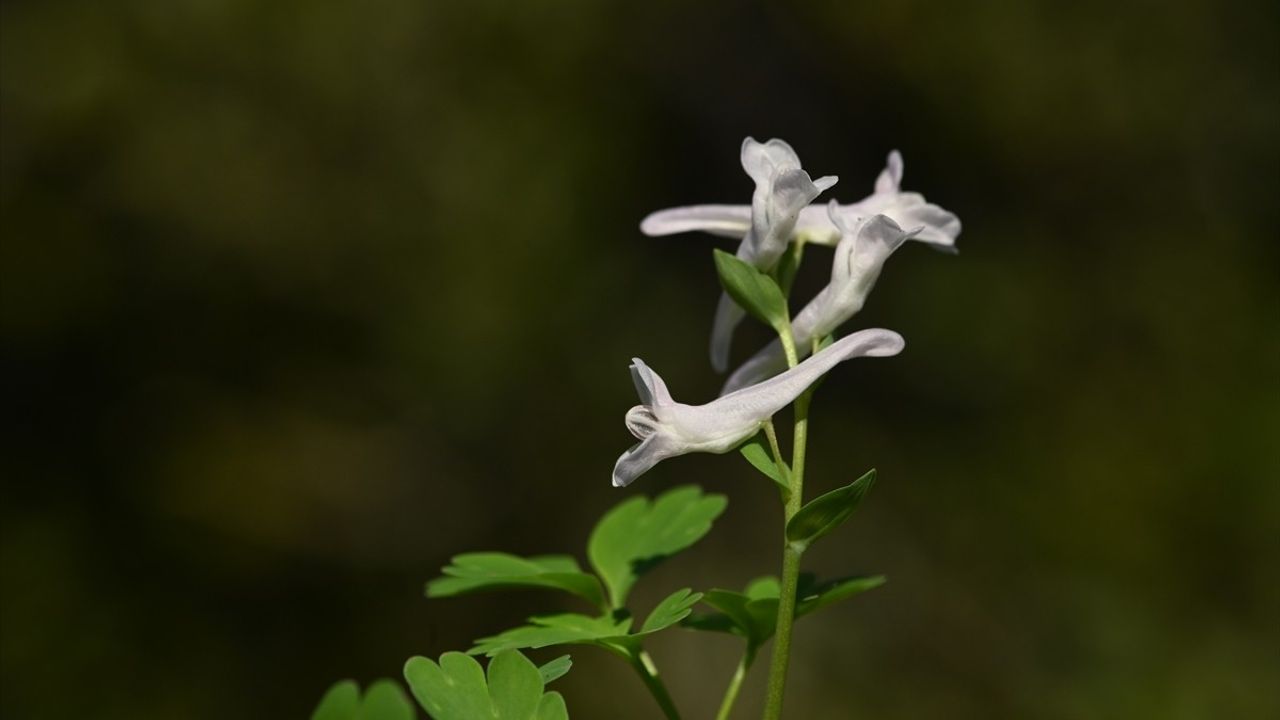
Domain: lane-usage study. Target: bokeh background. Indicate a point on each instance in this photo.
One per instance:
(301, 298)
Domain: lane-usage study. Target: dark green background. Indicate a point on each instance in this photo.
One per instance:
(301, 298)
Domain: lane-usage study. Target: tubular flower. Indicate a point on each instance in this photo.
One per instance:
(782, 191)
(864, 246)
(940, 227)
(667, 428)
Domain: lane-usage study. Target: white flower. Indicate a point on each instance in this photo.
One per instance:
(814, 224)
(859, 257)
(782, 191)
(667, 428)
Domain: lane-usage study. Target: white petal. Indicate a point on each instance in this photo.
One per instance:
(762, 160)
(641, 457)
(826, 182)
(649, 385)
(760, 401)
(722, 424)
(814, 225)
(890, 178)
(725, 220)
(728, 315)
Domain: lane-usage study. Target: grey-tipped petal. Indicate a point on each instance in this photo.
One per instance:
(725, 220)
(940, 227)
(640, 459)
(649, 385)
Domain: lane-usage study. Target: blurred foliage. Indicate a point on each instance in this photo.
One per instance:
(300, 299)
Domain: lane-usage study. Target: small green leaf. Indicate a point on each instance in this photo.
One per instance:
(564, 629)
(480, 571)
(827, 512)
(457, 688)
(674, 608)
(753, 614)
(340, 702)
(638, 534)
(789, 265)
(756, 451)
(753, 290)
(818, 596)
(555, 669)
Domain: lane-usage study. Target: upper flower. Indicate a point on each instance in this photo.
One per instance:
(865, 245)
(940, 228)
(667, 428)
(782, 190)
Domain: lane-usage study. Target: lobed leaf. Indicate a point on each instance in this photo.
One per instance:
(545, 630)
(384, 700)
(611, 631)
(458, 688)
(481, 571)
(637, 534)
(340, 702)
(825, 513)
(674, 608)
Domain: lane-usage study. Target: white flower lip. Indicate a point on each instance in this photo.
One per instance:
(667, 428)
(865, 245)
(941, 228)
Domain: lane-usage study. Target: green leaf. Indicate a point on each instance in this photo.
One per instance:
(753, 614)
(384, 700)
(564, 629)
(756, 451)
(818, 596)
(827, 512)
(638, 534)
(475, 572)
(555, 669)
(674, 608)
(612, 631)
(753, 290)
(515, 685)
(340, 702)
(552, 707)
(457, 688)
(788, 266)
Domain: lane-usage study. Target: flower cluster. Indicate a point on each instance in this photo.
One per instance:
(782, 212)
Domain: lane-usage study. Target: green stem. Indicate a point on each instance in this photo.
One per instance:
(643, 664)
(788, 343)
(790, 569)
(731, 695)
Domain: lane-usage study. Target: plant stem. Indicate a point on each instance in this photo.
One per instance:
(649, 673)
(788, 343)
(790, 569)
(731, 695)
